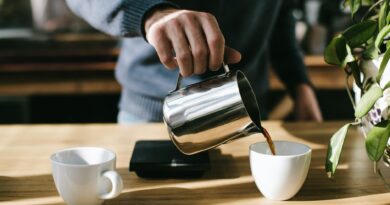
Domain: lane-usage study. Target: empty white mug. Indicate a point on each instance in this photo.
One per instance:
(86, 175)
(280, 176)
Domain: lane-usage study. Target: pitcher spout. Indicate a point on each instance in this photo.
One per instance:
(248, 130)
(253, 129)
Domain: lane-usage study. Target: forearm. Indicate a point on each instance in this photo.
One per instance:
(122, 18)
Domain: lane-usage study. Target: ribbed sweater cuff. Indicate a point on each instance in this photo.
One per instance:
(135, 12)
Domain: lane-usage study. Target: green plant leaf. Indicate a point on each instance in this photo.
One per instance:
(376, 140)
(386, 86)
(388, 43)
(334, 150)
(383, 14)
(354, 5)
(383, 65)
(381, 35)
(368, 100)
(338, 52)
(360, 33)
(388, 18)
(371, 52)
(367, 2)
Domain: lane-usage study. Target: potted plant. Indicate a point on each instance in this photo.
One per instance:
(363, 51)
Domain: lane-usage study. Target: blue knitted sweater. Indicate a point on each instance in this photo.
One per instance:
(263, 31)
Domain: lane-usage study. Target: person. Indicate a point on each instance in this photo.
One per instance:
(197, 36)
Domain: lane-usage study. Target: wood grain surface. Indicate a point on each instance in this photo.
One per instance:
(25, 175)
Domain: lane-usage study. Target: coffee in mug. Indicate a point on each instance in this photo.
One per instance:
(280, 176)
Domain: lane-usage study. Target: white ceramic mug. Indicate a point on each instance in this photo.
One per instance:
(86, 175)
(281, 176)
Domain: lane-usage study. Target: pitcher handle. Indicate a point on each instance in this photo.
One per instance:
(180, 77)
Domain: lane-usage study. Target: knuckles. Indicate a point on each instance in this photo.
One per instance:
(217, 40)
(187, 17)
(200, 52)
(173, 23)
(184, 56)
(215, 66)
(207, 16)
(167, 61)
(156, 33)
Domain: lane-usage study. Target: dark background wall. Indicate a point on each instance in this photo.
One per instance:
(102, 108)
(91, 108)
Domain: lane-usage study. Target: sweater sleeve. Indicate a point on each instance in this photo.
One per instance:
(122, 18)
(285, 54)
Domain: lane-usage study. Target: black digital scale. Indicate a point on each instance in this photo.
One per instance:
(161, 159)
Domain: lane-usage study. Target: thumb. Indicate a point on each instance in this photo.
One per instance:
(232, 56)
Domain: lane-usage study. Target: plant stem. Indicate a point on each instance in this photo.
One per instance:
(364, 132)
(370, 9)
(349, 92)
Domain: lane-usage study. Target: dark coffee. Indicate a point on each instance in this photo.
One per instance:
(269, 140)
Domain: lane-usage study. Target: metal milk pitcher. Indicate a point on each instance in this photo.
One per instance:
(207, 114)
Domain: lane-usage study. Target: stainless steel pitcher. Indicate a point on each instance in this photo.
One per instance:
(207, 114)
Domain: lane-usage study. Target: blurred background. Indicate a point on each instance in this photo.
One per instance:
(54, 68)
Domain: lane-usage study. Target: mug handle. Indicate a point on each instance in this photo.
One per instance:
(180, 77)
(116, 182)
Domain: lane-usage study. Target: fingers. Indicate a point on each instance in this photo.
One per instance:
(198, 45)
(214, 38)
(182, 50)
(231, 55)
(164, 51)
(158, 38)
(188, 39)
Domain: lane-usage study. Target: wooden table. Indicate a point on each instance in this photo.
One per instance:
(25, 176)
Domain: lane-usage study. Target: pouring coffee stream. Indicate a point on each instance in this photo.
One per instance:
(212, 112)
(269, 140)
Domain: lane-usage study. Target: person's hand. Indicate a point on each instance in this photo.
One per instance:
(306, 105)
(189, 40)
